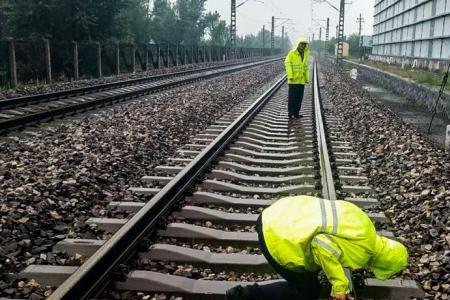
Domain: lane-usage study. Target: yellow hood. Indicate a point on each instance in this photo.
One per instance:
(390, 257)
(303, 39)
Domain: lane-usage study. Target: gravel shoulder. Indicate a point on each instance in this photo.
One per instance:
(52, 182)
(410, 173)
(28, 89)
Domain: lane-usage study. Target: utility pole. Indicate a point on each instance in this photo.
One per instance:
(233, 29)
(337, 32)
(282, 39)
(264, 36)
(360, 20)
(272, 37)
(320, 40)
(327, 33)
(340, 46)
(286, 39)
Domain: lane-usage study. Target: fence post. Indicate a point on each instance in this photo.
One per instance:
(146, 57)
(48, 61)
(158, 50)
(168, 56)
(76, 73)
(133, 58)
(447, 138)
(117, 59)
(176, 55)
(12, 64)
(99, 60)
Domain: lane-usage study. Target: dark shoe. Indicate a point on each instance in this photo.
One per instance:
(298, 116)
(291, 116)
(238, 293)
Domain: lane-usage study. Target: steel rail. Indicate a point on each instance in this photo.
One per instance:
(39, 98)
(73, 108)
(326, 173)
(328, 187)
(95, 273)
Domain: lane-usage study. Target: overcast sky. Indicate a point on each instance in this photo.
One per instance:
(255, 13)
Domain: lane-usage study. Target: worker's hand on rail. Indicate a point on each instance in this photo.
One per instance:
(342, 297)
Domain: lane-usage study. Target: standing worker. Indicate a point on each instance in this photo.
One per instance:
(301, 235)
(297, 70)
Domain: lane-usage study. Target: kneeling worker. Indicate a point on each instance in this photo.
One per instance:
(301, 235)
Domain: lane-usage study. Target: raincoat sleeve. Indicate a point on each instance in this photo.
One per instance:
(288, 67)
(326, 254)
(307, 77)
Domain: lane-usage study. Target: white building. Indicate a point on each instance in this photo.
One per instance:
(411, 30)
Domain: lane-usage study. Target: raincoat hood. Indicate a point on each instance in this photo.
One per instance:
(302, 39)
(390, 257)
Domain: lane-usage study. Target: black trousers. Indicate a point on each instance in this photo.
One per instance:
(298, 286)
(295, 96)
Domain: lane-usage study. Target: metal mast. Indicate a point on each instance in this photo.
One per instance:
(340, 46)
(327, 32)
(272, 37)
(282, 39)
(264, 36)
(360, 20)
(233, 29)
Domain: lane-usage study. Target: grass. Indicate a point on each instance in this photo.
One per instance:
(419, 76)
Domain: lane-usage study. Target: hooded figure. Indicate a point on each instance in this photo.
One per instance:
(297, 71)
(301, 235)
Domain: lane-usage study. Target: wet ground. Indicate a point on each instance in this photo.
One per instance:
(410, 112)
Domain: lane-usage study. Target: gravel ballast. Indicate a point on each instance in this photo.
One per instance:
(53, 181)
(29, 89)
(410, 173)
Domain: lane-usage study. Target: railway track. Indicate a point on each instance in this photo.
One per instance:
(22, 111)
(205, 202)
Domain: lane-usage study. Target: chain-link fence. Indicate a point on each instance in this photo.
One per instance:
(87, 59)
(62, 62)
(30, 61)
(4, 65)
(39, 61)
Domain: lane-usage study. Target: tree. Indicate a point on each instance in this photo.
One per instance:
(217, 31)
(4, 16)
(256, 41)
(353, 41)
(191, 20)
(163, 23)
(134, 22)
(79, 20)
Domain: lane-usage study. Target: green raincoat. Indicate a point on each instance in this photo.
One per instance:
(297, 69)
(305, 233)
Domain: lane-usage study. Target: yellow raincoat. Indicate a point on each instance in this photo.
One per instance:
(305, 233)
(297, 70)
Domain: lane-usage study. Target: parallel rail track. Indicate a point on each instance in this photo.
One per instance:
(19, 112)
(213, 191)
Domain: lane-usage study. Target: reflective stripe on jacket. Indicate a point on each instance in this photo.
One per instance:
(309, 233)
(297, 69)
